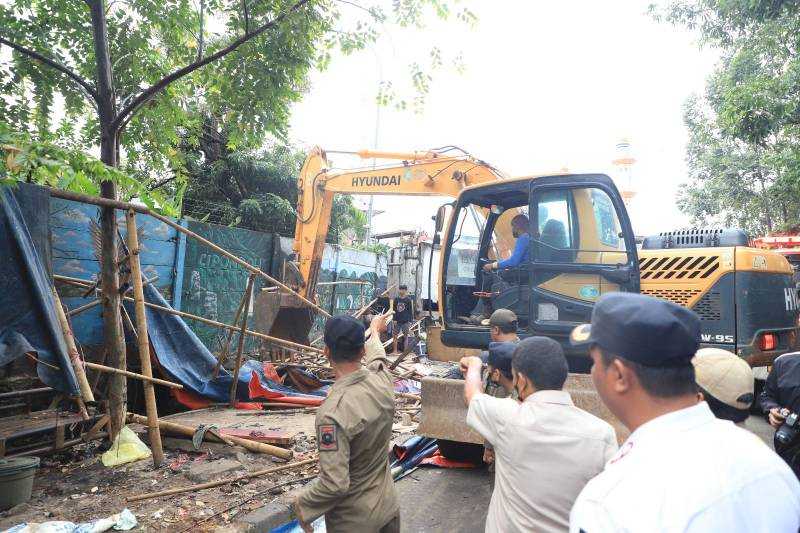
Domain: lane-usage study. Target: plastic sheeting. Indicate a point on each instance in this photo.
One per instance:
(183, 357)
(28, 322)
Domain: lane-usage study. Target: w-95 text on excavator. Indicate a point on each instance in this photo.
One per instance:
(580, 246)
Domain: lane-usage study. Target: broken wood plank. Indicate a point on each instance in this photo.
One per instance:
(188, 431)
(211, 484)
(259, 435)
(72, 350)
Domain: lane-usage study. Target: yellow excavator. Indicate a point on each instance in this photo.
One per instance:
(444, 172)
(581, 246)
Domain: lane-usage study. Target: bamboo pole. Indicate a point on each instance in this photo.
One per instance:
(223, 355)
(188, 431)
(143, 340)
(112, 370)
(211, 484)
(228, 326)
(74, 356)
(97, 302)
(248, 293)
(86, 307)
(183, 314)
(73, 281)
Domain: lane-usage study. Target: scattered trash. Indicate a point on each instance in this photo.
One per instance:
(122, 521)
(127, 448)
(294, 527)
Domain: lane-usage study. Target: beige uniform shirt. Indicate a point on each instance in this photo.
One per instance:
(354, 489)
(546, 450)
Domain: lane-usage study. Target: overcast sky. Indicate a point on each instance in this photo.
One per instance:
(547, 85)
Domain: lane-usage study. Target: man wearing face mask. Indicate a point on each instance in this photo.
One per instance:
(499, 380)
(546, 449)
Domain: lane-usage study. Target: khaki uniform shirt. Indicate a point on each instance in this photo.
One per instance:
(354, 489)
(546, 450)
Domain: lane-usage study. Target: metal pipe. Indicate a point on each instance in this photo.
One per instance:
(25, 392)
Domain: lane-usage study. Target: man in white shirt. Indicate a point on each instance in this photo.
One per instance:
(681, 469)
(546, 449)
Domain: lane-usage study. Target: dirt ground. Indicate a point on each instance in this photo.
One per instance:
(75, 486)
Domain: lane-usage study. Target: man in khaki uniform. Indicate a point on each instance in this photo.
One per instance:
(354, 489)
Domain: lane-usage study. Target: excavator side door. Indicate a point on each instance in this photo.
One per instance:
(582, 246)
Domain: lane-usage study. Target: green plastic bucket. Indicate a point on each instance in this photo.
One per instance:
(16, 480)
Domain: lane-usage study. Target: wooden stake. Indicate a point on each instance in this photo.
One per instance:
(188, 431)
(143, 341)
(373, 302)
(211, 484)
(74, 356)
(227, 346)
(248, 294)
(363, 309)
(111, 370)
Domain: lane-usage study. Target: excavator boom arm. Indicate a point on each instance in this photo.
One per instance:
(415, 174)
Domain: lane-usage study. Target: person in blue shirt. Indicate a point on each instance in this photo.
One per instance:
(520, 229)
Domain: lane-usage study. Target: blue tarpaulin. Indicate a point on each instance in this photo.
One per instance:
(28, 322)
(185, 358)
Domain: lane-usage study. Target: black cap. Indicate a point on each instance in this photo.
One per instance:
(345, 333)
(503, 318)
(500, 355)
(641, 329)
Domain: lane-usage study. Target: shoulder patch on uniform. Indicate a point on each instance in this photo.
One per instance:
(327, 440)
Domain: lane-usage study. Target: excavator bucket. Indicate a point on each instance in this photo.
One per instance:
(444, 412)
(280, 315)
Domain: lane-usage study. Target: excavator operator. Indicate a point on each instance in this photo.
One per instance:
(520, 229)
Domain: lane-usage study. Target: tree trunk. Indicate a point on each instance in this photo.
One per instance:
(765, 197)
(109, 152)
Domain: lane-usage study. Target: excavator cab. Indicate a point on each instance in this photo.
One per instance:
(562, 241)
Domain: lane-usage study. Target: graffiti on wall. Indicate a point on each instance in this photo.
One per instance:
(213, 285)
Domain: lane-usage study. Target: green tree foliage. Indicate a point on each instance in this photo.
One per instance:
(133, 77)
(744, 148)
(44, 163)
(255, 189)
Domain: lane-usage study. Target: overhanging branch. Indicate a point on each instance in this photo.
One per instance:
(146, 95)
(53, 64)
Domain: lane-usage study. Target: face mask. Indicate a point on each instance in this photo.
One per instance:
(517, 382)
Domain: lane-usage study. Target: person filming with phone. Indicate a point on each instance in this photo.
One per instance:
(780, 400)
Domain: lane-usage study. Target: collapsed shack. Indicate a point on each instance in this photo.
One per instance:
(53, 400)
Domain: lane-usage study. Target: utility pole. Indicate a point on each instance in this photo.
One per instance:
(370, 207)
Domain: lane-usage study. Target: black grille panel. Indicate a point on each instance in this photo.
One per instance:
(710, 306)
